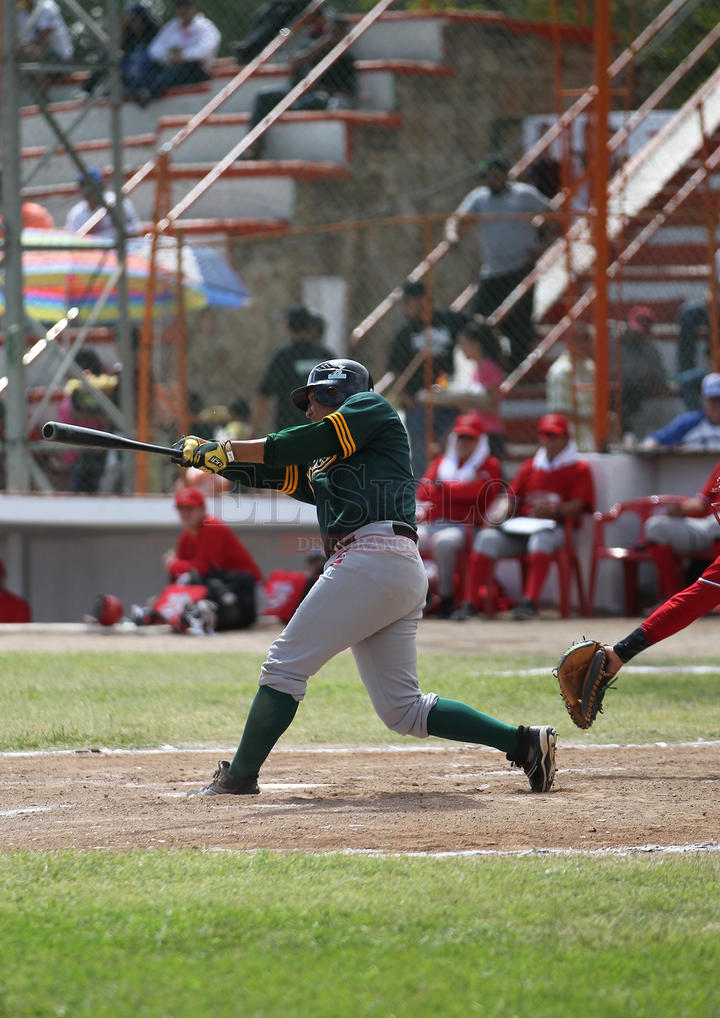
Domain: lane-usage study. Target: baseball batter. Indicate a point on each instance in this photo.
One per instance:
(352, 461)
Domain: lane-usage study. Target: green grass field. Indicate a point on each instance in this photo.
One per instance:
(188, 934)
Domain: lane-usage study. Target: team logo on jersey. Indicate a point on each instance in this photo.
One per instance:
(320, 466)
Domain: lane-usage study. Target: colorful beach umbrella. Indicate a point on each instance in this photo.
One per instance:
(61, 271)
(203, 267)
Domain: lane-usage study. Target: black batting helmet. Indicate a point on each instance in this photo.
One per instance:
(332, 382)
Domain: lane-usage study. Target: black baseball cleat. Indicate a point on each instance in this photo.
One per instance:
(225, 783)
(536, 755)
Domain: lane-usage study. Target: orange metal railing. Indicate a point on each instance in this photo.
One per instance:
(556, 131)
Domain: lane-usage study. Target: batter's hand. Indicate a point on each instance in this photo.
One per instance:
(212, 457)
(188, 445)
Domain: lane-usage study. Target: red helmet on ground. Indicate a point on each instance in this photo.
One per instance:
(108, 609)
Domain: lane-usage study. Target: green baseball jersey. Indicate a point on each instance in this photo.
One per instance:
(354, 466)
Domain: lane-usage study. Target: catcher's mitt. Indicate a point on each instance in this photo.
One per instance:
(581, 674)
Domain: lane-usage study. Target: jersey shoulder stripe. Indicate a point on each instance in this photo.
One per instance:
(343, 433)
(291, 480)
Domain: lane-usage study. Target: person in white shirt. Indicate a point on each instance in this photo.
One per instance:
(43, 36)
(510, 244)
(181, 53)
(90, 186)
(42, 33)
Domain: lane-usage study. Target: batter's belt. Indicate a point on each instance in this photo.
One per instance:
(398, 529)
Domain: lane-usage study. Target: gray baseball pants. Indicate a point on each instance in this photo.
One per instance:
(370, 599)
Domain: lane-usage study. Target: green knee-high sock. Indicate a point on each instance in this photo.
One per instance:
(270, 714)
(450, 719)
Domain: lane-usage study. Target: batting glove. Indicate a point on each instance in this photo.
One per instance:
(212, 457)
(186, 446)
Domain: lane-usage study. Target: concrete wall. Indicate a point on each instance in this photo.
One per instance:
(62, 551)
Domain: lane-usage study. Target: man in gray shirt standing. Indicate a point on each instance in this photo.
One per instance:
(510, 245)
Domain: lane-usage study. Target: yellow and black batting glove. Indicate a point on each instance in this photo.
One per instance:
(212, 457)
(186, 446)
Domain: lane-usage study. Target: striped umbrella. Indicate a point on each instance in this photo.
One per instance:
(204, 268)
(62, 271)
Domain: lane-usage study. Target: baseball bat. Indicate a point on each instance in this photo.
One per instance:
(71, 434)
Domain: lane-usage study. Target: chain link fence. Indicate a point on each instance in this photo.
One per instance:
(340, 223)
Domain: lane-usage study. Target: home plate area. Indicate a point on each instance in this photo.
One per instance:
(421, 799)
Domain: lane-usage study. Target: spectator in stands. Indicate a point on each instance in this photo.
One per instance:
(510, 245)
(681, 529)
(139, 28)
(552, 487)
(79, 406)
(693, 350)
(93, 198)
(288, 369)
(421, 356)
(34, 216)
(570, 385)
(13, 608)
(453, 495)
(43, 37)
(642, 373)
(481, 393)
(335, 89)
(696, 429)
(270, 18)
(181, 53)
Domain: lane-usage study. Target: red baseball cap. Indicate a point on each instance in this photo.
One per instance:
(468, 424)
(189, 496)
(553, 424)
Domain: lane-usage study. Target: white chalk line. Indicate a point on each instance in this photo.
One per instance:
(360, 750)
(23, 811)
(650, 849)
(476, 853)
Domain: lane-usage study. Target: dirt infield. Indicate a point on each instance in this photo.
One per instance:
(423, 797)
(427, 799)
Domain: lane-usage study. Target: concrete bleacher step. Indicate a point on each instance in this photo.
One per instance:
(376, 91)
(257, 190)
(322, 136)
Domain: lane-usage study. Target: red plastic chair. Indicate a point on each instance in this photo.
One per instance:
(643, 507)
(568, 570)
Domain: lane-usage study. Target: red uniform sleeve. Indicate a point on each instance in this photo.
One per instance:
(518, 486)
(474, 496)
(685, 606)
(583, 486)
(712, 479)
(426, 490)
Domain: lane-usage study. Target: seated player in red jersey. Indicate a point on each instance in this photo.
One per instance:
(453, 496)
(550, 488)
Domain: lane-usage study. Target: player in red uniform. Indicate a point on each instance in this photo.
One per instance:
(206, 544)
(677, 612)
(549, 488)
(12, 607)
(453, 495)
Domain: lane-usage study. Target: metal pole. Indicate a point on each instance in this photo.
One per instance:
(17, 472)
(599, 176)
(124, 330)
